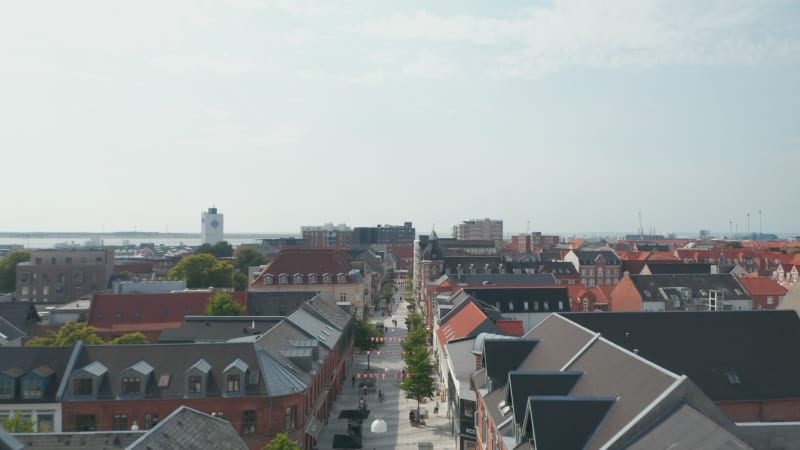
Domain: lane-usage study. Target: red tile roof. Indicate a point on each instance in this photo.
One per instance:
(511, 327)
(307, 261)
(112, 311)
(461, 324)
(762, 286)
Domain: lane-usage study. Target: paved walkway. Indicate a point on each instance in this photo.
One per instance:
(395, 407)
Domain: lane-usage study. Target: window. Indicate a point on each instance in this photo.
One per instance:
(85, 422)
(218, 414)
(291, 415)
(6, 388)
(510, 306)
(24, 290)
(561, 305)
(283, 279)
(341, 278)
(68, 260)
(150, 420)
(312, 278)
(770, 300)
(233, 383)
(194, 385)
(267, 279)
(525, 306)
(586, 304)
(249, 422)
(46, 289)
(298, 278)
(32, 389)
(24, 277)
(131, 385)
(327, 278)
(119, 422)
(82, 386)
(599, 272)
(343, 297)
(44, 421)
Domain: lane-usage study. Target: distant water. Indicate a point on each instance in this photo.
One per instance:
(53, 240)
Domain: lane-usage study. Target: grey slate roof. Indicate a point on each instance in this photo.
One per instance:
(588, 257)
(538, 299)
(9, 442)
(85, 440)
(326, 334)
(280, 379)
(20, 314)
(189, 429)
(482, 279)
(9, 332)
(217, 329)
(51, 362)
(662, 268)
(698, 284)
(276, 303)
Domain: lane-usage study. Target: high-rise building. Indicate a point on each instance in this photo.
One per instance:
(479, 230)
(211, 227)
(541, 241)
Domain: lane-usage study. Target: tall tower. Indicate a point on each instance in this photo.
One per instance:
(211, 227)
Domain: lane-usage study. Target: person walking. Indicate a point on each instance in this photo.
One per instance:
(436, 409)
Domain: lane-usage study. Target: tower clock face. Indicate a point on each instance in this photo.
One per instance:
(214, 223)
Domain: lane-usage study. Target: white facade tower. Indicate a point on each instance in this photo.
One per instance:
(211, 227)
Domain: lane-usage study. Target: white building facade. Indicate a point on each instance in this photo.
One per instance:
(211, 224)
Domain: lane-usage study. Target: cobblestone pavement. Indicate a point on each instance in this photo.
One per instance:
(394, 409)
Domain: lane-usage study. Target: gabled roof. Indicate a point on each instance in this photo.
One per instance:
(522, 384)
(502, 356)
(678, 268)
(511, 327)
(307, 261)
(16, 362)
(187, 428)
(326, 334)
(514, 300)
(276, 303)
(566, 423)
(589, 257)
(461, 324)
(762, 286)
(505, 279)
(730, 355)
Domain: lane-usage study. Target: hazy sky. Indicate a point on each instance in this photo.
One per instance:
(573, 115)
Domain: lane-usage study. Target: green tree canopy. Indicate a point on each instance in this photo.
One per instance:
(733, 244)
(282, 442)
(18, 424)
(222, 304)
(245, 257)
(130, 338)
(202, 271)
(420, 382)
(8, 269)
(364, 333)
(69, 333)
(221, 249)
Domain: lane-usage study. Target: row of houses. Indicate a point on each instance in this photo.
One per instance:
(281, 374)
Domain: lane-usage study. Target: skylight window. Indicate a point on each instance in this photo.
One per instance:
(163, 380)
(733, 378)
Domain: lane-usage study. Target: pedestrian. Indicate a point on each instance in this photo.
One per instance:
(436, 409)
(353, 380)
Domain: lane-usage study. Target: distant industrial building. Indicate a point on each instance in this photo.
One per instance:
(211, 224)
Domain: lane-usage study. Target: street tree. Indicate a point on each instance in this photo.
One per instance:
(203, 270)
(221, 249)
(282, 442)
(366, 335)
(69, 333)
(8, 269)
(222, 304)
(18, 423)
(419, 383)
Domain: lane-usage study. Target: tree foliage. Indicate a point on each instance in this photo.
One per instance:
(69, 333)
(733, 244)
(18, 424)
(130, 338)
(282, 442)
(222, 304)
(8, 269)
(420, 382)
(221, 249)
(364, 333)
(245, 257)
(202, 271)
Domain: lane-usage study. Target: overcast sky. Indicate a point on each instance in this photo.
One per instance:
(570, 115)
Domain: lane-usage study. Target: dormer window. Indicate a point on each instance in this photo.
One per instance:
(327, 278)
(131, 385)
(32, 388)
(235, 374)
(197, 377)
(6, 388)
(283, 278)
(341, 278)
(298, 278)
(82, 386)
(313, 278)
(268, 279)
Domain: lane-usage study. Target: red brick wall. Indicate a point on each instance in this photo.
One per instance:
(625, 297)
(767, 411)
